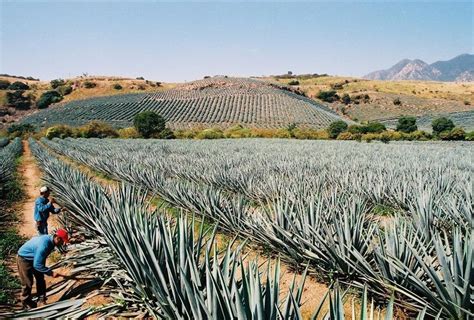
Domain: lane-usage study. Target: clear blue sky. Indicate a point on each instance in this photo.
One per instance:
(188, 40)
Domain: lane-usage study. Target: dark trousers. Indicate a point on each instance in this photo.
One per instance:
(42, 228)
(27, 272)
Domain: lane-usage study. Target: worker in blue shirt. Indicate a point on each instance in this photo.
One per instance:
(31, 262)
(43, 207)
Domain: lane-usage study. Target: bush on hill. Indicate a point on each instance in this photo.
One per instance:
(97, 129)
(346, 99)
(17, 100)
(328, 96)
(57, 83)
(407, 124)
(149, 124)
(48, 98)
(64, 90)
(397, 102)
(442, 124)
(60, 131)
(89, 84)
(17, 85)
(20, 130)
(4, 84)
(453, 134)
(117, 86)
(294, 83)
(336, 127)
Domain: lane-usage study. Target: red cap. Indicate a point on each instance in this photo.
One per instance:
(61, 233)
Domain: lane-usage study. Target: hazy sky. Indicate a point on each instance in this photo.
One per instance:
(188, 40)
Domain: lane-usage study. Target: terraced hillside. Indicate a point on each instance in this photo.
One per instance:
(217, 101)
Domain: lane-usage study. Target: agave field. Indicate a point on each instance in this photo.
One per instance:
(209, 102)
(396, 219)
(8, 155)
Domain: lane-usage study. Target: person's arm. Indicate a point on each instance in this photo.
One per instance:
(40, 208)
(39, 260)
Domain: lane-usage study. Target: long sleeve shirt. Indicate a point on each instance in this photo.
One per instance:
(43, 208)
(37, 249)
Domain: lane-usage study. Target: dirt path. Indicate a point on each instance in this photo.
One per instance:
(30, 176)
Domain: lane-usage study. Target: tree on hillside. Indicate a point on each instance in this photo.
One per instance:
(57, 83)
(17, 100)
(17, 85)
(149, 124)
(335, 128)
(442, 124)
(48, 98)
(407, 124)
(328, 96)
(4, 84)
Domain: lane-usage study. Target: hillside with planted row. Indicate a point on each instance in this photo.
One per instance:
(217, 101)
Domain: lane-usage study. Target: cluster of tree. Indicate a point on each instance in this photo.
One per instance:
(332, 96)
(407, 129)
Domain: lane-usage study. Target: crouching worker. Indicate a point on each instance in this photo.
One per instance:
(43, 207)
(31, 261)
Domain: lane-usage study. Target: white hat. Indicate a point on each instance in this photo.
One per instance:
(44, 189)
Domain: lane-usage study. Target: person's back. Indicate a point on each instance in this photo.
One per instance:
(31, 260)
(43, 208)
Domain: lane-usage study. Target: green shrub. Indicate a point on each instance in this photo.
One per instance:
(20, 130)
(407, 124)
(294, 83)
(17, 100)
(336, 128)
(97, 129)
(166, 134)
(374, 127)
(456, 133)
(346, 99)
(89, 84)
(48, 98)
(397, 101)
(140, 78)
(60, 131)
(210, 134)
(4, 84)
(117, 86)
(469, 136)
(149, 124)
(57, 83)
(442, 124)
(17, 85)
(64, 90)
(328, 96)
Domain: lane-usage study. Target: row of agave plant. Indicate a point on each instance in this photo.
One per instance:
(321, 212)
(161, 267)
(8, 156)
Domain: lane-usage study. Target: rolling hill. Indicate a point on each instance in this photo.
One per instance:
(373, 100)
(216, 102)
(460, 68)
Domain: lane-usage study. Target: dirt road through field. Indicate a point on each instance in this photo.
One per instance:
(30, 176)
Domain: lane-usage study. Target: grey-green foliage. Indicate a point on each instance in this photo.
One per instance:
(171, 271)
(8, 155)
(311, 201)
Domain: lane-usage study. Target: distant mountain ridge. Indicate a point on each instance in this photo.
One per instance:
(460, 68)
